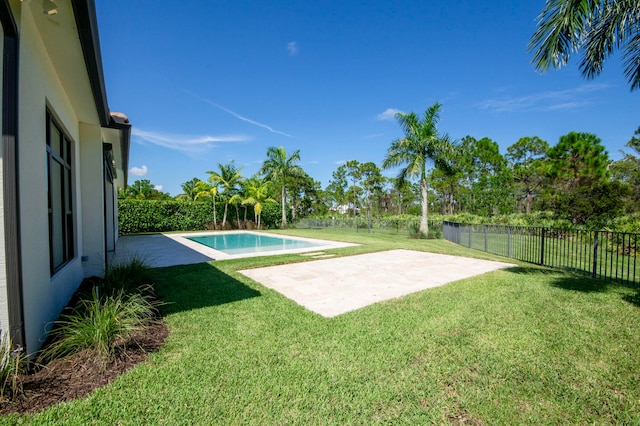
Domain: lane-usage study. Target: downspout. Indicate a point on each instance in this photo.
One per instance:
(10, 154)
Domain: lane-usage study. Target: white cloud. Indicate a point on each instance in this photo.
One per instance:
(389, 114)
(192, 144)
(292, 47)
(138, 171)
(340, 162)
(569, 99)
(240, 117)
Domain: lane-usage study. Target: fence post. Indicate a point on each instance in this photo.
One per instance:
(486, 238)
(542, 249)
(470, 230)
(595, 254)
(508, 241)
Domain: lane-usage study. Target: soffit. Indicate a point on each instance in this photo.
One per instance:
(59, 34)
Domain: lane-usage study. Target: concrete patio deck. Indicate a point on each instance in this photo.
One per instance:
(332, 287)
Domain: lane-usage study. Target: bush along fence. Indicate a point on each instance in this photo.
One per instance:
(397, 226)
(605, 255)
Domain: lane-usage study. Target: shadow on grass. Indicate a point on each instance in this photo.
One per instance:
(188, 287)
(570, 280)
(634, 299)
(567, 280)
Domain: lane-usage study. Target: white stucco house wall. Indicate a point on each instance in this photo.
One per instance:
(62, 156)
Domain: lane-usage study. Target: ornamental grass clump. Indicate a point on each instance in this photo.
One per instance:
(100, 325)
(129, 276)
(11, 366)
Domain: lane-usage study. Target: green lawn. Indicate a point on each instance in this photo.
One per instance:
(520, 346)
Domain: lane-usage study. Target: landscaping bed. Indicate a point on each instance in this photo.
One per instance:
(78, 375)
(110, 325)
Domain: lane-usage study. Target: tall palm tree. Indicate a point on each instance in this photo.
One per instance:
(203, 189)
(595, 28)
(257, 196)
(227, 179)
(421, 144)
(277, 168)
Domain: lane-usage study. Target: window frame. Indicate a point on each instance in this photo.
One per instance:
(61, 227)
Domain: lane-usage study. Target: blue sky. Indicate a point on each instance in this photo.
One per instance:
(207, 82)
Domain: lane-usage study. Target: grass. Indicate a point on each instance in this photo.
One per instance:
(520, 346)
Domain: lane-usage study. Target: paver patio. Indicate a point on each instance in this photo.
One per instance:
(334, 286)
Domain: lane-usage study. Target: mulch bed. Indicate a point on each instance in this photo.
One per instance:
(77, 376)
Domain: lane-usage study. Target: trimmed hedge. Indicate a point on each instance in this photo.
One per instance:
(137, 216)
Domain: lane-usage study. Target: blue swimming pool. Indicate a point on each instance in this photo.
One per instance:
(243, 243)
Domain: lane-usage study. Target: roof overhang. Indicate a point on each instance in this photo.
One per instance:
(120, 122)
(87, 24)
(86, 19)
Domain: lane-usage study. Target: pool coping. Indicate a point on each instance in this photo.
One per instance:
(183, 238)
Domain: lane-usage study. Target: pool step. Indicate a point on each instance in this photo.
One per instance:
(317, 255)
(322, 256)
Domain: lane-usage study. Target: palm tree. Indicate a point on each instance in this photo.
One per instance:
(595, 28)
(203, 189)
(189, 190)
(258, 196)
(420, 145)
(227, 179)
(277, 168)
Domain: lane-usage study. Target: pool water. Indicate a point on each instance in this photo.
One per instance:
(250, 243)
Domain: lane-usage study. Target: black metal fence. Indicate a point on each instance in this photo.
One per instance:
(605, 255)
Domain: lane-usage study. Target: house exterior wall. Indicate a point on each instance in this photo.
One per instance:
(40, 88)
(90, 181)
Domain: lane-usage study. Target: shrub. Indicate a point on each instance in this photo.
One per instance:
(271, 216)
(137, 216)
(99, 325)
(129, 276)
(107, 316)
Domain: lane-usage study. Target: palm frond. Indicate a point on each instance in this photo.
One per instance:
(610, 23)
(631, 59)
(559, 32)
(596, 28)
(432, 117)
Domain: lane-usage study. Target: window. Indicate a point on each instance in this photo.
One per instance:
(59, 191)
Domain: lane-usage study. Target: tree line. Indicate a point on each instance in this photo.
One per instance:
(280, 178)
(574, 179)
